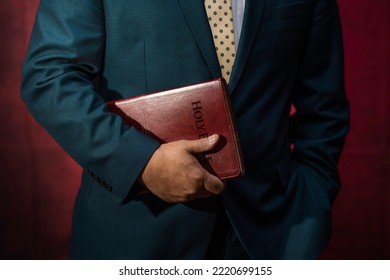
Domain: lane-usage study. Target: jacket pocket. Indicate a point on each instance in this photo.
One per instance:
(282, 11)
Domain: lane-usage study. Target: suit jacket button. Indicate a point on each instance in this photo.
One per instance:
(109, 188)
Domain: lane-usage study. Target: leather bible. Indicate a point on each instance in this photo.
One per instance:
(189, 113)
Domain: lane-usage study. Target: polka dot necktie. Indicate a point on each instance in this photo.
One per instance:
(220, 17)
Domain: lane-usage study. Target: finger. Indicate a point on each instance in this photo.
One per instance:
(213, 184)
(203, 194)
(203, 144)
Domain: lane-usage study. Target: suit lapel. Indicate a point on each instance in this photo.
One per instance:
(252, 18)
(197, 20)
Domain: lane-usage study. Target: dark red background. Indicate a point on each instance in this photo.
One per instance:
(38, 181)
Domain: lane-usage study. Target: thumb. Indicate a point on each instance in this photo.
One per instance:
(203, 144)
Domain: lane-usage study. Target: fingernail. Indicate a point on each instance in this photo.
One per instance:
(213, 138)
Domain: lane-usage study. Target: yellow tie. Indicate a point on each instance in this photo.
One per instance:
(220, 17)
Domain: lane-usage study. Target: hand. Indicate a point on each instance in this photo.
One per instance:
(175, 175)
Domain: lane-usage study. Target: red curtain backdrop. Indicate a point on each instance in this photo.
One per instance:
(39, 181)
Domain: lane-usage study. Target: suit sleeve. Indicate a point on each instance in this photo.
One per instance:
(321, 122)
(65, 56)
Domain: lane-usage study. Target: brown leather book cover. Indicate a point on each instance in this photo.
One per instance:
(189, 113)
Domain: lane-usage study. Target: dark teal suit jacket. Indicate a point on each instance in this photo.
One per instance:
(83, 53)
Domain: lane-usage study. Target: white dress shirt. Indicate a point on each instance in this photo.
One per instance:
(238, 7)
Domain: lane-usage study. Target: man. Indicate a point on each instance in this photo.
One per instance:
(86, 52)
